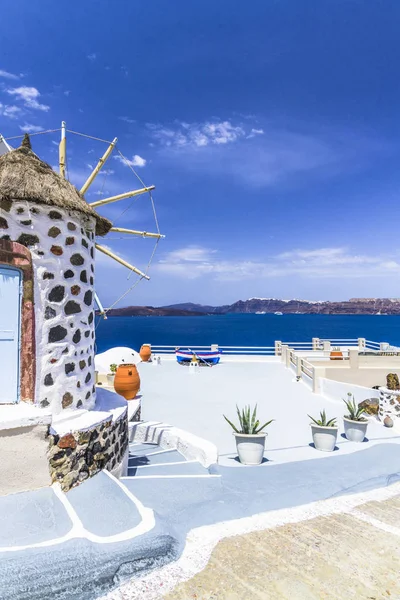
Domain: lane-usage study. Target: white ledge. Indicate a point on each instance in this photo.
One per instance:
(23, 415)
(108, 405)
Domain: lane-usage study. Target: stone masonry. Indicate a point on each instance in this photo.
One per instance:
(76, 456)
(389, 405)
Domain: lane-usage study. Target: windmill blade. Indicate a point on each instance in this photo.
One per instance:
(140, 233)
(100, 307)
(121, 261)
(122, 196)
(98, 167)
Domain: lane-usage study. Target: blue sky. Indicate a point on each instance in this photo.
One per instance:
(270, 129)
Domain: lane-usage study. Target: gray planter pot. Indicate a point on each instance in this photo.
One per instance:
(250, 448)
(324, 438)
(110, 379)
(355, 431)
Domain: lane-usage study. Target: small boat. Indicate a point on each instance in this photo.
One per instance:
(261, 312)
(186, 356)
(278, 313)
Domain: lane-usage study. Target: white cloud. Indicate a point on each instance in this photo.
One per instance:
(135, 161)
(329, 263)
(127, 120)
(197, 134)
(12, 112)
(29, 128)
(254, 132)
(29, 96)
(277, 157)
(92, 57)
(8, 75)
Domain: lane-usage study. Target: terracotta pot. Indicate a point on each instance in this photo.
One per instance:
(336, 355)
(127, 381)
(145, 352)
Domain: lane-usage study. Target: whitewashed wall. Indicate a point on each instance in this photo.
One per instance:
(62, 248)
(338, 390)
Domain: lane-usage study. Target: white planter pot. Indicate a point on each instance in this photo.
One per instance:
(355, 431)
(110, 379)
(250, 448)
(324, 438)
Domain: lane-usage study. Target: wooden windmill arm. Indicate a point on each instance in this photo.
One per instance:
(135, 232)
(121, 261)
(98, 167)
(122, 196)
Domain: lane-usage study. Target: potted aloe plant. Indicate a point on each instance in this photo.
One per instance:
(250, 437)
(355, 424)
(111, 374)
(324, 432)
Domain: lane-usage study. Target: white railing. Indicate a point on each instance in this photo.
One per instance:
(258, 350)
(316, 344)
(372, 345)
(229, 350)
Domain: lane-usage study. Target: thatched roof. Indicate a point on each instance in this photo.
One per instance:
(23, 176)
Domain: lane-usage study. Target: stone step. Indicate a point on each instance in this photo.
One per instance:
(160, 457)
(182, 468)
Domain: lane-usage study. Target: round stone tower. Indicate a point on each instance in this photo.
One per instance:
(47, 236)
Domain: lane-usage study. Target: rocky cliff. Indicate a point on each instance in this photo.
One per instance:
(354, 306)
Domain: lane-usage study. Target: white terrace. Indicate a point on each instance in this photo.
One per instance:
(288, 382)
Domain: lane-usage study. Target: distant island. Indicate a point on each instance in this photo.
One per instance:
(354, 306)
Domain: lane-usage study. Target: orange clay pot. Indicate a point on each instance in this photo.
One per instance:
(127, 381)
(336, 355)
(145, 352)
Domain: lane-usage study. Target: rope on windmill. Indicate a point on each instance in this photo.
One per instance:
(16, 137)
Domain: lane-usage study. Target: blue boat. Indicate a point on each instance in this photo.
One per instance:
(186, 356)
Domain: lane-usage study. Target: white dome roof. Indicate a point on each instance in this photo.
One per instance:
(117, 356)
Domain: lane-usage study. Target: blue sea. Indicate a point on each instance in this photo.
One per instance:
(242, 330)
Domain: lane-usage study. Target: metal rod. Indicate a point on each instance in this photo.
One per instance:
(98, 167)
(135, 232)
(122, 196)
(99, 304)
(62, 150)
(121, 261)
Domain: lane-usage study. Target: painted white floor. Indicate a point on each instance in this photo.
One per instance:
(197, 402)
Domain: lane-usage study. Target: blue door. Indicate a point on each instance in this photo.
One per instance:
(10, 314)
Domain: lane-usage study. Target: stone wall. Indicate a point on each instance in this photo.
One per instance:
(389, 406)
(61, 244)
(78, 455)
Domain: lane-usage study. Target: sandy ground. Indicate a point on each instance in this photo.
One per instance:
(342, 556)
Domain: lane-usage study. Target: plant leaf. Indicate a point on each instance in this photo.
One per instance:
(231, 424)
(264, 426)
(253, 418)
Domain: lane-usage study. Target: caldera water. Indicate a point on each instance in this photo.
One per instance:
(242, 329)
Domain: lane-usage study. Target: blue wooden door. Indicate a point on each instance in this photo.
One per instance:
(10, 315)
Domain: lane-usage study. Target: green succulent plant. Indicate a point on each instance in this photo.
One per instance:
(322, 421)
(113, 368)
(248, 422)
(355, 412)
